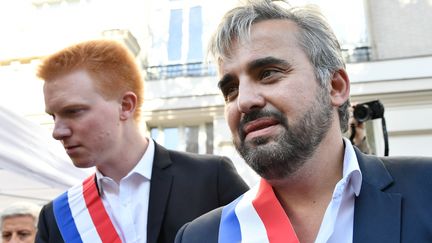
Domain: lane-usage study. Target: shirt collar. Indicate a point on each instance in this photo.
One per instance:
(351, 169)
(143, 167)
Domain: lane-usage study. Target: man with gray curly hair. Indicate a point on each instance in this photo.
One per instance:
(286, 93)
(18, 222)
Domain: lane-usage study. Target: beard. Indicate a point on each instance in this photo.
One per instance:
(279, 157)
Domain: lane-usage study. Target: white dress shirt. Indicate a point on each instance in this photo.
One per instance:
(338, 222)
(127, 202)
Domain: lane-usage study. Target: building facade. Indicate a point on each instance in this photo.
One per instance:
(388, 59)
(386, 45)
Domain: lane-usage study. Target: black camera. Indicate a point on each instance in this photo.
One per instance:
(368, 111)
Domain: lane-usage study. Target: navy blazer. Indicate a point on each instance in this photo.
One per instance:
(183, 186)
(394, 205)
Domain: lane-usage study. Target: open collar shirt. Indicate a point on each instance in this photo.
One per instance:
(127, 202)
(338, 222)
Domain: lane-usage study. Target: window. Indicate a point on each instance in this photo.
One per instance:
(175, 35)
(179, 32)
(191, 138)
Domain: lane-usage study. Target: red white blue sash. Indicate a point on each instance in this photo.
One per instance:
(81, 216)
(256, 216)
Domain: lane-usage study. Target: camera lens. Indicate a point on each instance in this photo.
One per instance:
(362, 113)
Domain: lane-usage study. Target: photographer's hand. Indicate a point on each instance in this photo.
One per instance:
(358, 132)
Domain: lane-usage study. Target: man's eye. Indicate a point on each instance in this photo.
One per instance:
(230, 93)
(23, 235)
(268, 73)
(6, 236)
(73, 111)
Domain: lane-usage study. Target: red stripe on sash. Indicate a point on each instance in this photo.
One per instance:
(276, 222)
(100, 217)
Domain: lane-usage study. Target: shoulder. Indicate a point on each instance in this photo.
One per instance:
(199, 159)
(397, 171)
(47, 226)
(188, 161)
(203, 229)
(394, 164)
(217, 171)
(47, 210)
(408, 162)
(46, 217)
(199, 174)
(413, 169)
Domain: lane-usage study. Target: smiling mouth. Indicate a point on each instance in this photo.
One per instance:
(258, 126)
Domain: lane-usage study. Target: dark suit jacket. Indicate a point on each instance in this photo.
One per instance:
(394, 205)
(183, 186)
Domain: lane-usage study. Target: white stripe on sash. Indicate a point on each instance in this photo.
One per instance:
(81, 215)
(251, 225)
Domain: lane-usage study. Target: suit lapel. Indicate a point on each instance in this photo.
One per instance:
(377, 214)
(160, 187)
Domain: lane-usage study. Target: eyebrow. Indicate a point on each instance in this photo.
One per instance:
(265, 61)
(260, 62)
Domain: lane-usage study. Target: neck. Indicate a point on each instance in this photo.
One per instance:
(306, 194)
(126, 157)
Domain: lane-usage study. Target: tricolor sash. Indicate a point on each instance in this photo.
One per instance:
(256, 216)
(81, 216)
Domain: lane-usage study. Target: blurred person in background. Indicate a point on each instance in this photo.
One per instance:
(357, 132)
(18, 222)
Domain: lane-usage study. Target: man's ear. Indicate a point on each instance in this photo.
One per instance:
(340, 88)
(128, 105)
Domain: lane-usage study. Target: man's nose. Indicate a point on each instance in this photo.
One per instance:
(250, 96)
(61, 130)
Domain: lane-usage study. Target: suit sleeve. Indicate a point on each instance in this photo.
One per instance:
(42, 232)
(203, 229)
(48, 231)
(230, 183)
(179, 236)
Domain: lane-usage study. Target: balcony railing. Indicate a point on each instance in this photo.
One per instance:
(194, 69)
(357, 54)
(200, 69)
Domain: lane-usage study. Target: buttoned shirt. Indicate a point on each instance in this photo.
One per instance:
(338, 222)
(127, 202)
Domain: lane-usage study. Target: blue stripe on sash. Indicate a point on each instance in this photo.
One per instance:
(65, 221)
(229, 228)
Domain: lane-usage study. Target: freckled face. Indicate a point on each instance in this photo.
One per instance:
(18, 229)
(275, 108)
(85, 122)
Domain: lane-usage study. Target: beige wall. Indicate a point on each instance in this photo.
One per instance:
(400, 28)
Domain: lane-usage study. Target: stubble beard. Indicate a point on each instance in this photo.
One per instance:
(275, 158)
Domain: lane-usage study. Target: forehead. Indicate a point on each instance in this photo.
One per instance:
(78, 79)
(276, 38)
(76, 87)
(15, 222)
(75, 84)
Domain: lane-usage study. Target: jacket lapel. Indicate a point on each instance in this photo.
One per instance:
(160, 187)
(377, 214)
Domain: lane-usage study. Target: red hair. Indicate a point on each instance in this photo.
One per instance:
(108, 62)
